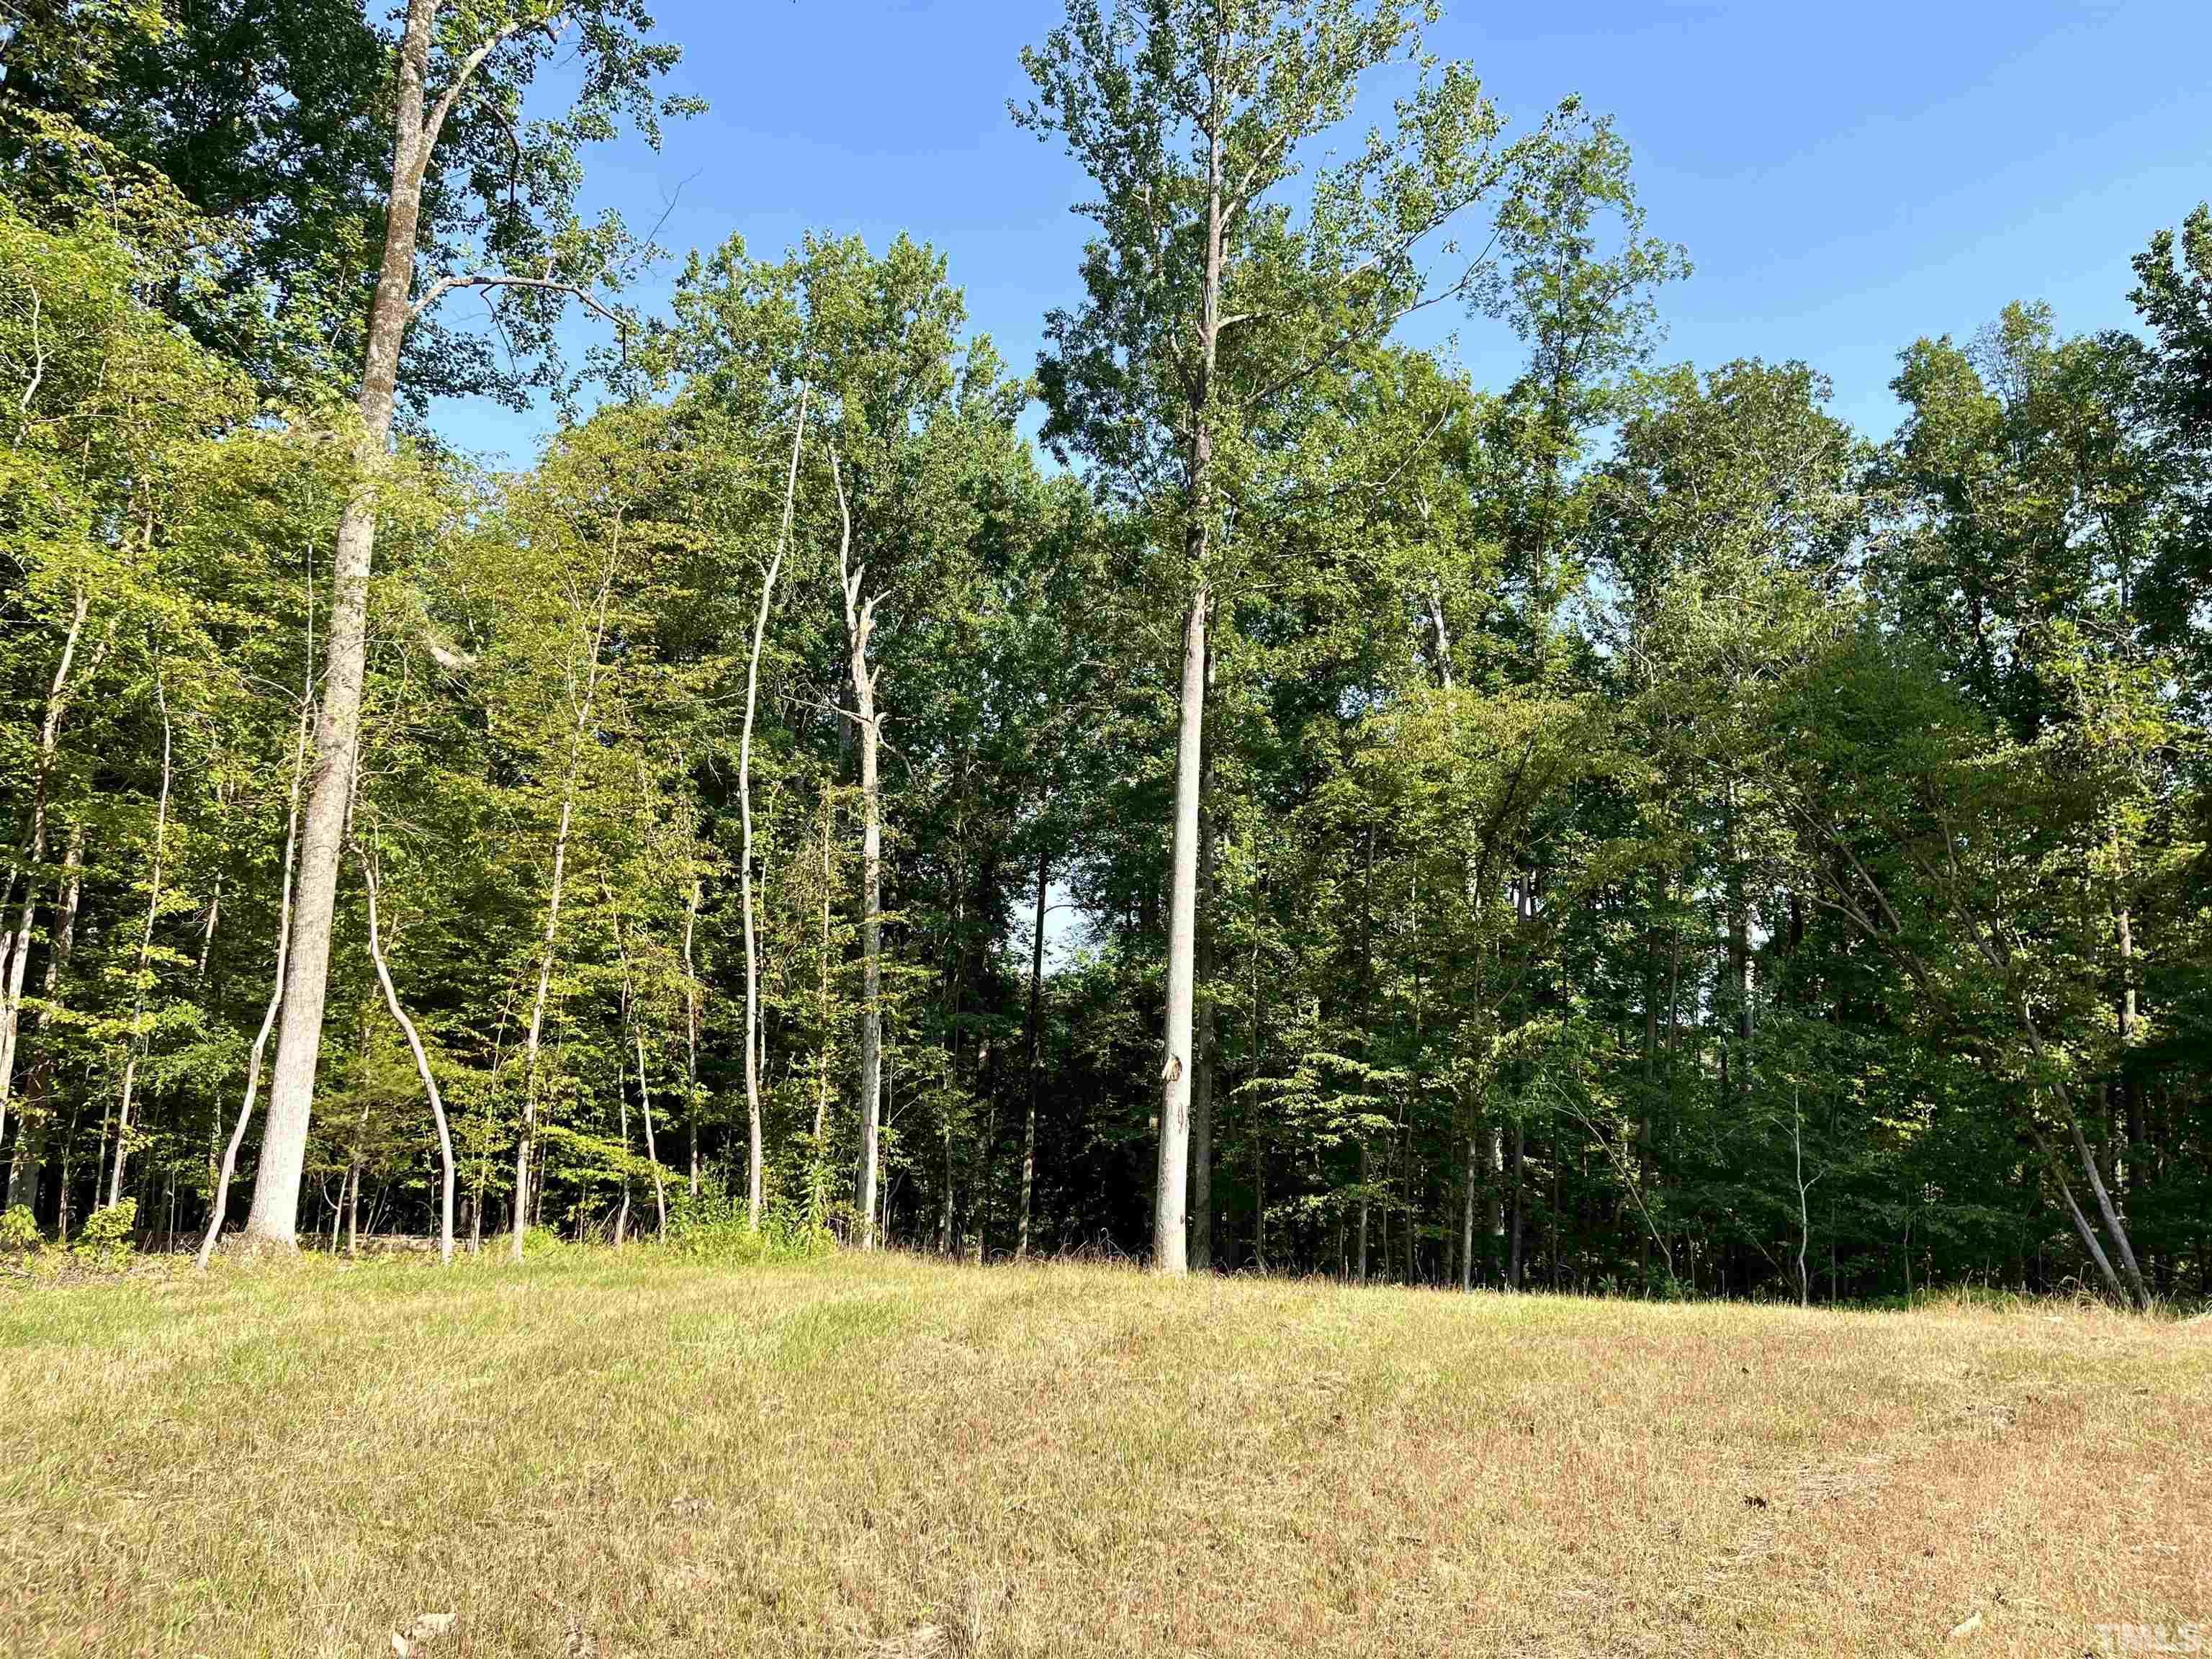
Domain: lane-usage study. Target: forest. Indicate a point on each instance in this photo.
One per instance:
(1234, 793)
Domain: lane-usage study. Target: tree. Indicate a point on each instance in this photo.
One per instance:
(487, 58)
(1208, 306)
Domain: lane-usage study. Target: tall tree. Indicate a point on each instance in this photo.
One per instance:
(1209, 302)
(484, 57)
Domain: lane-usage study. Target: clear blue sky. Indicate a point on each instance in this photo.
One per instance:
(1846, 177)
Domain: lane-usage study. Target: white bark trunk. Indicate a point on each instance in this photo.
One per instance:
(691, 1014)
(1035, 1048)
(142, 970)
(421, 1065)
(746, 816)
(652, 1154)
(817, 1180)
(859, 624)
(30, 1129)
(283, 945)
(1169, 1228)
(1170, 1232)
(15, 947)
(274, 1217)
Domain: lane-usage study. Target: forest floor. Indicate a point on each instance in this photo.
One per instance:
(601, 1455)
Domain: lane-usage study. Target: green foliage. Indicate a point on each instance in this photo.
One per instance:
(1650, 833)
(19, 1232)
(105, 1241)
(715, 1225)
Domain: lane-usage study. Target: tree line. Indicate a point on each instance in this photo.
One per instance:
(1622, 829)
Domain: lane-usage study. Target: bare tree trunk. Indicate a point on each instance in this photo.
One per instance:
(1035, 1044)
(691, 1024)
(1519, 1149)
(621, 1107)
(652, 1156)
(421, 1065)
(1804, 1215)
(746, 816)
(634, 1014)
(283, 945)
(31, 1123)
(61, 1176)
(274, 1216)
(143, 970)
(819, 1178)
(1169, 1231)
(16, 944)
(860, 623)
(1495, 1137)
(1206, 1051)
(2130, 1089)
(2137, 1291)
(2086, 1233)
(1258, 1149)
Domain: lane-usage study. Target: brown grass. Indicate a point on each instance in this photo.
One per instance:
(602, 1455)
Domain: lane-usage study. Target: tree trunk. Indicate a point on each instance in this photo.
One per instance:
(2137, 1291)
(284, 944)
(1170, 1232)
(551, 939)
(1494, 1180)
(142, 970)
(745, 818)
(1034, 1043)
(1206, 1053)
(652, 1156)
(621, 1109)
(31, 1121)
(691, 1018)
(273, 1217)
(421, 1067)
(860, 623)
(2129, 1178)
(16, 944)
(819, 1179)
(1519, 1149)
(2086, 1233)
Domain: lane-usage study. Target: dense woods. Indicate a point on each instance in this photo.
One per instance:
(1619, 829)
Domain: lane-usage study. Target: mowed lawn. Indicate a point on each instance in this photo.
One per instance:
(607, 1456)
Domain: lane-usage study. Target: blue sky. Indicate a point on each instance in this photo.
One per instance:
(1845, 177)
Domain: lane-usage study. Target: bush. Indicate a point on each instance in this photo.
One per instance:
(715, 1225)
(105, 1239)
(18, 1233)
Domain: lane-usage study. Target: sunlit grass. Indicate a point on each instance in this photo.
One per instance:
(632, 1455)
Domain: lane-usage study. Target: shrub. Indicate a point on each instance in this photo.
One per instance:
(18, 1231)
(715, 1225)
(105, 1239)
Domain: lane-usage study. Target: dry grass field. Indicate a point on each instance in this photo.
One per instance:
(611, 1456)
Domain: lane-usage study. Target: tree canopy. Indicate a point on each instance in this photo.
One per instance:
(1617, 828)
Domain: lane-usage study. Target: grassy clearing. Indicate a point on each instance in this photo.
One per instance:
(603, 1455)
